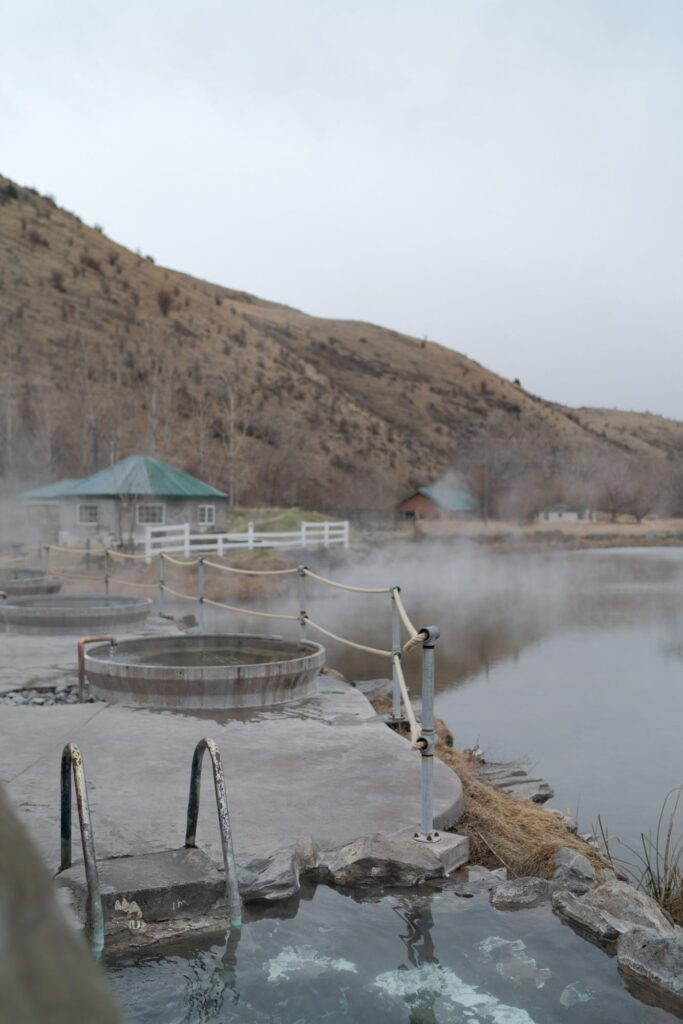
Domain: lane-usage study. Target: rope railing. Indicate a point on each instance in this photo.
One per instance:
(133, 583)
(176, 593)
(178, 561)
(249, 572)
(407, 704)
(412, 630)
(247, 611)
(345, 586)
(343, 640)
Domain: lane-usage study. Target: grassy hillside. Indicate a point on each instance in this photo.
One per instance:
(104, 353)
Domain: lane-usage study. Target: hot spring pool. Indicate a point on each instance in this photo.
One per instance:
(427, 957)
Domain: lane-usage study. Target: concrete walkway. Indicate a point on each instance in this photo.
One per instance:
(324, 769)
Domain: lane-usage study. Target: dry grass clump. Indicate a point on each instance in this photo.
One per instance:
(504, 831)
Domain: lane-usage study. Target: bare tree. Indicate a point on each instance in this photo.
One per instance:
(509, 468)
(234, 429)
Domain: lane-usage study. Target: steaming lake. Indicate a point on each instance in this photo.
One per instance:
(572, 661)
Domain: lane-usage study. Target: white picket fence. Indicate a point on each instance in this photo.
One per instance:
(178, 539)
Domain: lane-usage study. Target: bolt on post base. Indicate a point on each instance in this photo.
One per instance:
(427, 837)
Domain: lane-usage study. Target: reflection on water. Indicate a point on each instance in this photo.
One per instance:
(428, 957)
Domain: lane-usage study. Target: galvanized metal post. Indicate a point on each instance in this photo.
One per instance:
(301, 581)
(200, 594)
(161, 583)
(395, 650)
(427, 740)
(106, 572)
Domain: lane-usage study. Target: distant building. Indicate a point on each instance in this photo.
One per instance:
(115, 505)
(567, 514)
(429, 503)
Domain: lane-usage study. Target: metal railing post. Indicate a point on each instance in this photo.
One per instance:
(200, 593)
(427, 740)
(106, 572)
(395, 650)
(72, 761)
(81, 658)
(231, 886)
(301, 586)
(161, 583)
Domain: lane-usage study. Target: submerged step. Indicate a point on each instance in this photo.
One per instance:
(145, 890)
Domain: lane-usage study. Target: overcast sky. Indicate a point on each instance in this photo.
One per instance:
(502, 176)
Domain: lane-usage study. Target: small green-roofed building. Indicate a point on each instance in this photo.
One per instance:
(427, 503)
(117, 504)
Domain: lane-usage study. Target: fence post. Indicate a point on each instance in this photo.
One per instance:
(346, 534)
(395, 650)
(200, 594)
(106, 571)
(427, 740)
(250, 536)
(303, 534)
(161, 583)
(186, 539)
(301, 580)
(219, 544)
(148, 545)
(326, 533)
(45, 558)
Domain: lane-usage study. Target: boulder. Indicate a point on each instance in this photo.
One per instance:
(472, 879)
(277, 877)
(574, 871)
(651, 966)
(609, 911)
(392, 860)
(519, 893)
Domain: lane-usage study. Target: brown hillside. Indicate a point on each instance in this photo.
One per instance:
(104, 353)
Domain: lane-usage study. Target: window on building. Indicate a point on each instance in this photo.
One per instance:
(151, 515)
(87, 515)
(206, 515)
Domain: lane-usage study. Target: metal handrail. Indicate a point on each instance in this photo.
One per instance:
(81, 658)
(72, 762)
(231, 886)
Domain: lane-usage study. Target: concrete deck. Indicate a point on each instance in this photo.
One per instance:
(323, 770)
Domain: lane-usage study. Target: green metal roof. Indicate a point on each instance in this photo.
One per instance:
(137, 475)
(455, 499)
(51, 491)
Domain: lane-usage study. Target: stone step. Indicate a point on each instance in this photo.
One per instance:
(511, 778)
(140, 892)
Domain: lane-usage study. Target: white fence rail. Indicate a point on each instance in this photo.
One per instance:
(179, 540)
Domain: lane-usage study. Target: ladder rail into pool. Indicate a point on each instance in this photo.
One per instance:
(231, 884)
(72, 764)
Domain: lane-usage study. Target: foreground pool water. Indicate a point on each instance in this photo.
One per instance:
(424, 957)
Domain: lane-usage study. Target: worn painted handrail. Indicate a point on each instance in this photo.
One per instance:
(231, 886)
(72, 763)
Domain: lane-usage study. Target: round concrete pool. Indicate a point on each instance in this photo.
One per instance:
(27, 582)
(73, 612)
(194, 672)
